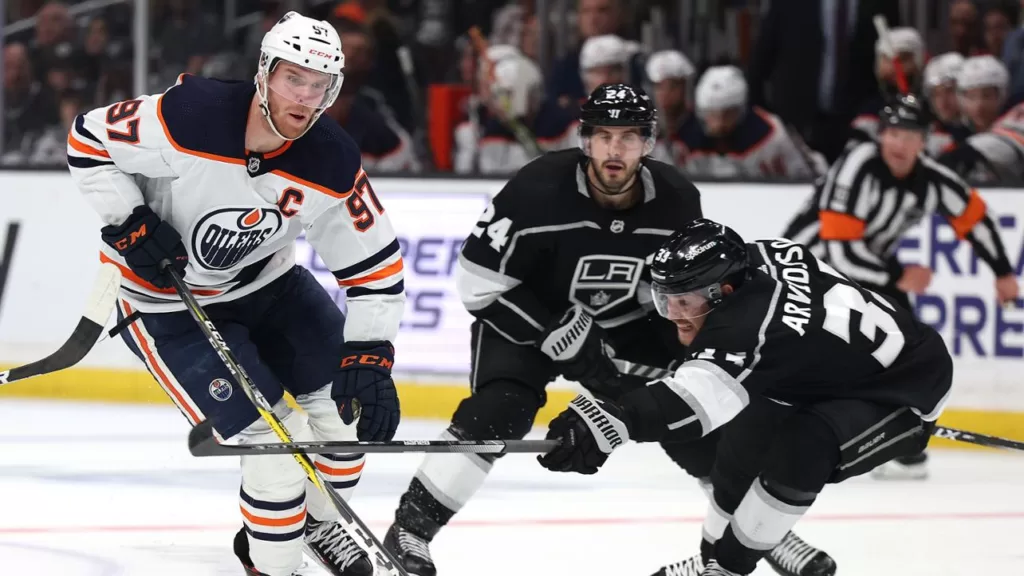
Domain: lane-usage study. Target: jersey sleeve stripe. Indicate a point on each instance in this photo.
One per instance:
(83, 148)
(392, 269)
(80, 129)
(84, 163)
(393, 290)
(713, 395)
(973, 213)
(370, 262)
(838, 226)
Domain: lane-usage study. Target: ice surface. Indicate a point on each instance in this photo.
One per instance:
(104, 490)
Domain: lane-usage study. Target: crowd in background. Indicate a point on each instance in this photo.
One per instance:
(796, 83)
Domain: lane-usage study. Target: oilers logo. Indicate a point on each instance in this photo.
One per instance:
(220, 389)
(225, 236)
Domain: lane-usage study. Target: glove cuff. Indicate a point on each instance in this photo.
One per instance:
(377, 355)
(607, 422)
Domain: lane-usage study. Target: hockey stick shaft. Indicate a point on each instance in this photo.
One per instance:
(634, 369)
(353, 524)
(85, 335)
(202, 442)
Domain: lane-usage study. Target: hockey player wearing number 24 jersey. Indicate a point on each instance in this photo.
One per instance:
(859, 381)
(219, 179)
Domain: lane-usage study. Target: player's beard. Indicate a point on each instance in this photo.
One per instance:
(288, 122)
(619, 183)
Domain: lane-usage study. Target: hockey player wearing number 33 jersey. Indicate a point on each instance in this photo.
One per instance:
(856, 378)
(219, 179)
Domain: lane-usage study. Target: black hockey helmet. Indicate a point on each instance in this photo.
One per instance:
(697, 260)
(905, 111)
(618, 105)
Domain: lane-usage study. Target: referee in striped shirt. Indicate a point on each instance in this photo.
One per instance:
(877, 191)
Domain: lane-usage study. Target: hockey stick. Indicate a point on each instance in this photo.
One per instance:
(201, 442)
(882, 27)
(353, 525)
(97, 309)
(633, 369)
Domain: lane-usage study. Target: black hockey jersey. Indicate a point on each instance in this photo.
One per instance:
(544, 245)
(798, 332)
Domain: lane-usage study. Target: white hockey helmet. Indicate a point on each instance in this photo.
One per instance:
(942, 69)
(519, 83)
(310, 44)
(721, 88)
(668, 65)
(982, 72)
(902, 40)
(604, 50)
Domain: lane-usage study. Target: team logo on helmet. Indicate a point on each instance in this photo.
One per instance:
(603, 281)
(220, 389)
(225, 236)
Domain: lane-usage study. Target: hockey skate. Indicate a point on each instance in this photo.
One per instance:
(693, 566)
(913, 467)
(410, 550)
(713, 569)
(332, 547)
(794, 557)
(241, 546)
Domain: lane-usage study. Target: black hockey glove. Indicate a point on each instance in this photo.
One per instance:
(581, 351)
(588, 430)
(364, 390)
(144, 240)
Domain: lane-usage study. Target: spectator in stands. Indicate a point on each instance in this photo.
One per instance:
(670, 72)
(594, 18)
(964, 32)
(55, 38)
(1013, 59)
(732, 139)
(29, 108)
(998, 20)
(522, 123)
(384, 143)
(909, 49)
(603, 59)
(186, 37)
(814, 64)
(941, 93)
(99, 51)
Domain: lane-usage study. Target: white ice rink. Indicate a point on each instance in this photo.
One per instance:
(99, 490)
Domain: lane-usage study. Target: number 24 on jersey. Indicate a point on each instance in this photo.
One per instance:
(496, 231)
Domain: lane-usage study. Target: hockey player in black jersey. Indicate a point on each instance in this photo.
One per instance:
(872, 195)
(564, 248)
(855, 380)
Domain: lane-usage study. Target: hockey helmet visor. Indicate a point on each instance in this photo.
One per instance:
(688, 271)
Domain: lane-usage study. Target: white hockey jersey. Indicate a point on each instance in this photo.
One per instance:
(999, 151)
(239, 212)
(758, 147)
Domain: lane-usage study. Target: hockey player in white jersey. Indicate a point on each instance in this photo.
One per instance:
(994, 152)
(220, 178)
(940, 90)
(730, 138)
(670, 72)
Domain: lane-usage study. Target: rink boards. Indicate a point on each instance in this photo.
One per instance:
(47, 265)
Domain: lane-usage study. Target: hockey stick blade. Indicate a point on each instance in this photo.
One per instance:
(86, 334)
(202, 442)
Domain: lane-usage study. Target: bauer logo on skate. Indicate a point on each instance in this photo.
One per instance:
(225, 236)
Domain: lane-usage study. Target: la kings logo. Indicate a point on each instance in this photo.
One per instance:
(603, 281)
(225, 236)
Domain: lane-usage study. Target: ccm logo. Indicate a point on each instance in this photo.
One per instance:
(316, 52)
(367, 360)
(132, 239)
